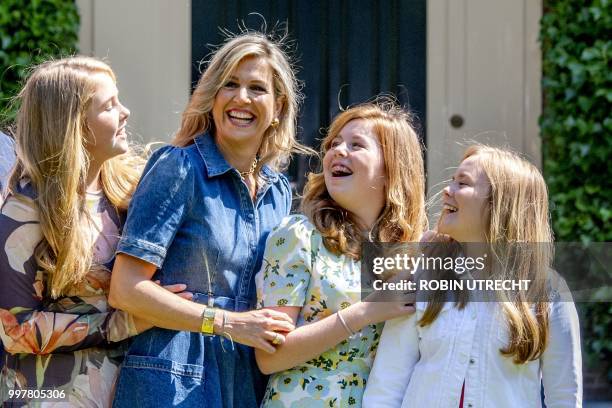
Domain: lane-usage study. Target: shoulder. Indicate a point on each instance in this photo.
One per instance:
(172, 161)
(295, 224)
(293, 233)
(20, 209)
(20, 233)
(169, 170)
(168, 179)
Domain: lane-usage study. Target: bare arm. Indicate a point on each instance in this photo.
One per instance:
(133, 291)
(309, 341)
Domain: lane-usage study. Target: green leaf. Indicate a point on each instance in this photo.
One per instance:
(31, 32)
(576, 129)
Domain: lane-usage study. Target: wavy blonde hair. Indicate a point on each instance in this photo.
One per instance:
(278, 142)
(51, 134)
(403, 217)
(520, 239)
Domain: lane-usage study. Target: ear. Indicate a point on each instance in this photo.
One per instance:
(278, 106)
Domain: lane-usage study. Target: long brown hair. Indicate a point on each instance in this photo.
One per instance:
(51, 134)
(403, 217)
(517, 217)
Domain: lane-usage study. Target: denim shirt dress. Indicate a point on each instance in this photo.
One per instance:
(193, 218)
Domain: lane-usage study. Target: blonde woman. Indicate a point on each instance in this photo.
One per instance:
(371, 188)
(201, 215)
(466, 353)
(59, 227)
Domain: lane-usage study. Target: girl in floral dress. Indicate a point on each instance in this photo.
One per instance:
(371, 188)
(59, 227)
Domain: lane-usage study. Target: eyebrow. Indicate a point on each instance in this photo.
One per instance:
(107, 100)
(355, 136)
(463, 175)
(252, 81)
(360, 137)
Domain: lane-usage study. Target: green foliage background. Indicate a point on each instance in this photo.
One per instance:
(576, 128)
(32, 31)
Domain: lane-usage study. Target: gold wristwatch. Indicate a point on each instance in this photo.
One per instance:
(208, 320)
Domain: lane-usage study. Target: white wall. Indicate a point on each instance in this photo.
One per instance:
(148, 44)
(484, 63)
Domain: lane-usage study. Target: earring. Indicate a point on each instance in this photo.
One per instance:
(275, 122)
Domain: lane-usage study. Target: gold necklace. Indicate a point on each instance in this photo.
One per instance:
(250, 171)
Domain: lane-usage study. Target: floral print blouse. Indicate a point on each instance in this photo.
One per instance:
(71, 344)
(299, 271)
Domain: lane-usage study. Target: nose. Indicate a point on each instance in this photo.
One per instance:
(447, 191)
(243, 95)
(340, 149)
(125, 112)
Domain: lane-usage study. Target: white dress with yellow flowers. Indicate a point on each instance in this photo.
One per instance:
(298, 270)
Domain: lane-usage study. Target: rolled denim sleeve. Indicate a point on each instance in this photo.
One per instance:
(158, 208)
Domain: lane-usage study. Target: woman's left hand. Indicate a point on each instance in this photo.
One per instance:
(258, 328)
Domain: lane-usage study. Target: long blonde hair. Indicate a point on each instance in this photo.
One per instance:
(403, 217)
(520, 239)
(279, 141)
(51, 133)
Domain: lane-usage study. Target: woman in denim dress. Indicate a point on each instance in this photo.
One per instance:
(200, 216)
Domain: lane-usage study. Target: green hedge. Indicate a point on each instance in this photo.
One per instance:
(31, 31)
(576, 128)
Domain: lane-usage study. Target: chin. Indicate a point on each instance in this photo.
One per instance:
(443, 229)
(122, 146)
(339, 198)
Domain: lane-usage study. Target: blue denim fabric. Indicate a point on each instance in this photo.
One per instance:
(191, 209)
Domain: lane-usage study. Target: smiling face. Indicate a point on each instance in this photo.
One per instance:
(465, 214)
(245, 106)
(106, 121)
(354, 170)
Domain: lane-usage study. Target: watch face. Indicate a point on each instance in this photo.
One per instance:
(208, 320)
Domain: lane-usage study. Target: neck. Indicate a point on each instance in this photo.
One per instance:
(238, 156)
(92, 181)
(366, 220)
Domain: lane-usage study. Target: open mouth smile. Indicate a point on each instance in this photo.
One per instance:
(449, 208)
(240, 117)
(339, 170)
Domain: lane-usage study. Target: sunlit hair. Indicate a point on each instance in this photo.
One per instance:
(51, 133)
(403, 217)
(521, 241)
(278, 142)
